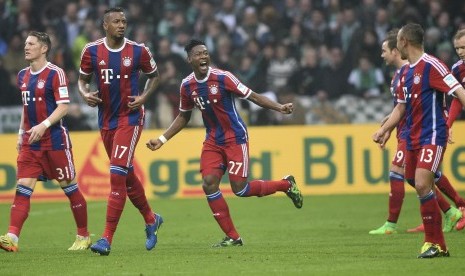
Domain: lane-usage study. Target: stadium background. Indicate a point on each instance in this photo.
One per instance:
(304, 51)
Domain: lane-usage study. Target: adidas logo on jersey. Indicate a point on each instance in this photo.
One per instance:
(102, 63)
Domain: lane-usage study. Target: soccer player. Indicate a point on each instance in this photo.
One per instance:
(453, 216)
(226, 147)
(44, 146)
(458, 70)
(116, 63)
(419, 99)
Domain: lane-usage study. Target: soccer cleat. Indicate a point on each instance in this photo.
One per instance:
(451, 218)
(430, 250)
(101, 247)
(227, 241)
(151, 232)
(7, 244)
(294, 192)
(387, 229)
(81, 243)
(461, 223)
(418, 229)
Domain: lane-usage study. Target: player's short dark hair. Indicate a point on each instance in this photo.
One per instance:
(413, 33)
(194, 42)
(43, 38)
(111, 10)
(391, 38)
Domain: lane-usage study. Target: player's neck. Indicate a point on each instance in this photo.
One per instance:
(38, 64)
(414, 55)
(114, 43)
(400, 62)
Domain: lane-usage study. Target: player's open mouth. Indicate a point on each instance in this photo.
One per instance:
(203, 65)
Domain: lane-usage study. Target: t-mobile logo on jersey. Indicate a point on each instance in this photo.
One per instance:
(25, 95)
(107, 75)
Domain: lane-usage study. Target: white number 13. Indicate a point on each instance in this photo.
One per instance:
(426, 155)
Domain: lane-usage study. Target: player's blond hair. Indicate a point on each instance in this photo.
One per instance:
(459, 34)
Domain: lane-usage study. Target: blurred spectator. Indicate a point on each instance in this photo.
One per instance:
(72, 24)
(251, 27)
(305, 81)
(366, 79)
(13, 61)
(9, 93)
(350, 25)
(84, 37)
(317, 28)
(280, 68)
(381, 24)
(164, 54)
(228, 15)
(334, 75)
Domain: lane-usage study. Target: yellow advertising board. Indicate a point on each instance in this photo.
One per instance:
(336, 159)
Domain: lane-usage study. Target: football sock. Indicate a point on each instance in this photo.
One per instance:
(396, 197)
(263, 187)
(442, 182)
(20, 209)
(432, 220)
(116, 200)
(79, 208)
(444, 205)
(136, 194)
(221, 214)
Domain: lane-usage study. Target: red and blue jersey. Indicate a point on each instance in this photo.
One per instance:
(41, 93)
(395, 82)
(422, 89)
(117, 74)
(458, 70)
(215, 97)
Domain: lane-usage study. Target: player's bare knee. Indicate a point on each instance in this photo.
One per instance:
(237, 187)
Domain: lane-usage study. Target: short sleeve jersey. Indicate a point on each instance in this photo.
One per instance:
(215, 97)
(458, 70)
(41, 92)
(422, 89)
(395, 82)
(117, 74)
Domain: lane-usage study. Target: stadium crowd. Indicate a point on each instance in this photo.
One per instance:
(323, 55)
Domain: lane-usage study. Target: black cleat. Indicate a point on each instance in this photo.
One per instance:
(227, 242)
(430, 250)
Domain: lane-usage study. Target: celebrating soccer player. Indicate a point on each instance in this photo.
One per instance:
(44, 146)
(116, 62)
(226, 147)
(419, 91)
(453, 216)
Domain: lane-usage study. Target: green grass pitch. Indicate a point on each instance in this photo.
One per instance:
(328, 236)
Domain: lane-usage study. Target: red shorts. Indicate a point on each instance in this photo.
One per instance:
(399, 158)
(428, 157)
(120, 144)
(53, 164)
(217, 159)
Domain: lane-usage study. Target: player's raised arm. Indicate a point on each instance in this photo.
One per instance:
(269, 104)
